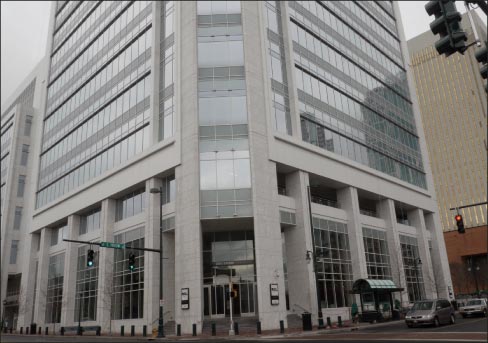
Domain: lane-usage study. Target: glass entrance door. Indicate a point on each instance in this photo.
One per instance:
(214, 301)
(246, 299)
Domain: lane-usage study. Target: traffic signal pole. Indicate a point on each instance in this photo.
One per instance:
(125, 246)
(471, 205)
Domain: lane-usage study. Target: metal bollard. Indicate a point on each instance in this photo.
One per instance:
(11, 328)
(258, 327)
(98, 332)
(178, 329)
(214, 329)
(46, 330)
(21, 330)
(27, 330)
(236, 328)
(282, 326)
(122, 330)
(329, 323)
(194, 329)
(144, 331)
(339, 320)
(40, 331)
(62, 331)
(132, 330)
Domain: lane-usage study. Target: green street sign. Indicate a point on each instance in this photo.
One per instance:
(112, 245)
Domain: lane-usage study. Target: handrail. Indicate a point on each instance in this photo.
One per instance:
(323, 201)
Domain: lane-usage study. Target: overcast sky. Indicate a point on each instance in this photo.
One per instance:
(24, 29)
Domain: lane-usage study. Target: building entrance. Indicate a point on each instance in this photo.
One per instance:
(217, 300)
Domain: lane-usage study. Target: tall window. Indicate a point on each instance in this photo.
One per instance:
(130, 205)
(377, 257)
(412, 268)
(55, 279)
(225, 174)
(17, 218)
(90, 221)
(234, 248)
(21, 187)
(25, 155)
(28, 125)
(169, 189)
(86, 285)
(334, 269)
(14, 248)
(128, 291)
(57, 234)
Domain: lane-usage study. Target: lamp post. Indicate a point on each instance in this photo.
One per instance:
(314, 256)
(79, 314)
(160, 321)
(417, 262)
(231, 329)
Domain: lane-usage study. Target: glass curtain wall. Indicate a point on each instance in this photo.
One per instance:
(128, 286)
(412, 268)
(377, 256)
(54, 297)
(334, 269)
(86, 285)
(166, 80)
(225, 176)
(98, 94)
(352, 90)
(277, 67)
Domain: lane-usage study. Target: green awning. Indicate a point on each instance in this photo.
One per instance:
(370, 285)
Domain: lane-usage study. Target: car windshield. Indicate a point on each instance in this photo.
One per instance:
(421, 306)
(473, 302)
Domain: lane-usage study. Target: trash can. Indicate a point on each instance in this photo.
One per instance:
(307, 321)
(33, 329)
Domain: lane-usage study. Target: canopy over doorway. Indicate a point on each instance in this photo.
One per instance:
(376, 298)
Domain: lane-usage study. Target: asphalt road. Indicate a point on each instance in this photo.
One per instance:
(473, 324)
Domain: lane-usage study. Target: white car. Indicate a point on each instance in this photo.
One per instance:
(474, 306)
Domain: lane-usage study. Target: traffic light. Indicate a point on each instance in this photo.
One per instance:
(90, 258)
(481, 56)
(459, 223)
(132, 261)
(447, 25)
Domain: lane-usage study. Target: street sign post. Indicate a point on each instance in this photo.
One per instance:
(112, 245)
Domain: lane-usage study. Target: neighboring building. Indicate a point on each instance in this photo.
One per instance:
(468, 260)
(453, 107)
(233, 109)
(20, 123)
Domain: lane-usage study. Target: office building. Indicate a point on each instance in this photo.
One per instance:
(21, 120)
(453, 108)
(232, 111)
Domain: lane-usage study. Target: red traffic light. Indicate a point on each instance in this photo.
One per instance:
(458, 218)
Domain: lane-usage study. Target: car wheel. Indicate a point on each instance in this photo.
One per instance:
(453, 319)
(464, 316)
(436, 322)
